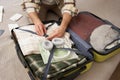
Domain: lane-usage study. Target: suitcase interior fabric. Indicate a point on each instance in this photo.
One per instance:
(82, 26)
(63, 70)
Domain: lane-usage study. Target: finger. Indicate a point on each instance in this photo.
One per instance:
(39, 30)
(51, 37)
(44, 30)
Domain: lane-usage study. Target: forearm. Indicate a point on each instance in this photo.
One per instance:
(34, 17)
(65, 21)
(68, 10)
(32, 8)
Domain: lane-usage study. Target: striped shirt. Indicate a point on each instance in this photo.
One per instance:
(48, 2)
(66, 6)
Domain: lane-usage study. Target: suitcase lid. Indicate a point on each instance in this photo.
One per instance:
(83, 25)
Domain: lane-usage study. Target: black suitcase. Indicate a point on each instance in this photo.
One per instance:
(68, 72)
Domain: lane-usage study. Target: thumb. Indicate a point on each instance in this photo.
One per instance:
(51, 37)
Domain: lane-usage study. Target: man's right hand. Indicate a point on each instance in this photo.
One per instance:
(40, 28)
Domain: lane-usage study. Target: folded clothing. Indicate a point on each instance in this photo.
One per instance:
(57, 69)
(29, 41)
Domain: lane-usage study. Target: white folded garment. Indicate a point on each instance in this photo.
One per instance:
(30, 42)
(12, 26)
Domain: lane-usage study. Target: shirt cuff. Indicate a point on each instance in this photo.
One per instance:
(29, 10)
(66, 11)
(69, 8)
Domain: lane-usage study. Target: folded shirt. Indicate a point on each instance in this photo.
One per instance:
(57, 69)
(29, 41)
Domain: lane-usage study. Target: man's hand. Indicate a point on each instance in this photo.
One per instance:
(40, 28)
(58, 32)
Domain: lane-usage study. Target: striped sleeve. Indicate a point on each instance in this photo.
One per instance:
(31, 5)
(69, 7)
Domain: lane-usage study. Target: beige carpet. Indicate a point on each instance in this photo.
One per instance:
(12, 69)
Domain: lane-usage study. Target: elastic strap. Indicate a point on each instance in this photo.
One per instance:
(50, 59)
(33, 31)
(111, 43)
(48, 64)
(69, 49)
(113, 26)
(28, 31)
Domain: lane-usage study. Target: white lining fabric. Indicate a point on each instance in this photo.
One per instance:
(102, 36)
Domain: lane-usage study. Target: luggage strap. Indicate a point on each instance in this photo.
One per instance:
(35, 32)
(50, 59)
(48, 64)
(111, 43)
(113, 26)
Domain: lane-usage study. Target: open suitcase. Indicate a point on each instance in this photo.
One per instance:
(62, 70)
(33, 62)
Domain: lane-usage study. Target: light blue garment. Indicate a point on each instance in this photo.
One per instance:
(81, 45)
(1, 32)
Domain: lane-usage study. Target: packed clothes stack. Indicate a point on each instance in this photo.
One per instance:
(81, 41)
(33, 54)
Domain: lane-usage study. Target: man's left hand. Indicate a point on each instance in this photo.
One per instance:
(59, 32)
